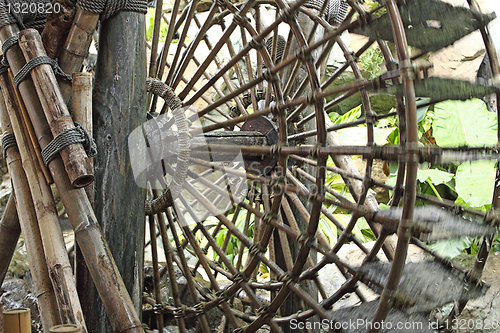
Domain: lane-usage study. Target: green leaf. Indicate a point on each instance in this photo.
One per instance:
(422, 110)
(436, 176)
(349, 116)
(475, 182)
(450, 248)
(458, 123)
(329, 229)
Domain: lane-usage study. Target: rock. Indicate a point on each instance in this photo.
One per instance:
(19, 262)
(346, 78)
(16, 294)
(483, 314)
(382, 103)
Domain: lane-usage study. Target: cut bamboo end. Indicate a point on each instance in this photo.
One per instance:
(74, 156)
(17, 320)
(65, 328)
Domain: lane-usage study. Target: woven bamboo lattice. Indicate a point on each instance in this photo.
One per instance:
(260, 62)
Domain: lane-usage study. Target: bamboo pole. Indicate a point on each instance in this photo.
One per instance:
(65, 328)
(17, 320)
(82, 112)
(27, 220)
(88, 234)
(50, 230)
(57, 27)
(76, 46)
(9, 235)
(54, 107)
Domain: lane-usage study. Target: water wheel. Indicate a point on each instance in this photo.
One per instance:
(239, 116)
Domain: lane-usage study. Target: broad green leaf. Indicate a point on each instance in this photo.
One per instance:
(422, 110)
(450, 248)
(436, 176)
(458, 123)
(349, 116)
(357, 136)
(333, 116)
(329, 229)
(475, 182)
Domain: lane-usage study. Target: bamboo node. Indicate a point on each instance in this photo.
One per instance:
(180, 311)
(256, 249)
(305, 239)
(221, 3)
(286, 15)
(68, 137)
(240, 20)
(256, 44)
(269, 76)
(239, 278)
(8, 140)
(222, 295)
(268, 217)
(200, 308)
(275, 182)
(35, 62)
(303, 55)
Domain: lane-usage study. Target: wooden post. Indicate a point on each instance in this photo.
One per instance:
(9, 235)
(27, 219)
(54, 107)
(88, 234)
(65, 328)
(17, 320)
(119, 106)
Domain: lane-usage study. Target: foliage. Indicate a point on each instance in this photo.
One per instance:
(371, 62)
(150, 22)
(458, 123)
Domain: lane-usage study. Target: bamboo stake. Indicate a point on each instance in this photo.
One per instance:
(82, 112)
(17, 320)
(65, 328)
(54, 107)
(50, 230)
(76, 46)
(9, 234)
(57, 27)
(27, 220)
(88, 234)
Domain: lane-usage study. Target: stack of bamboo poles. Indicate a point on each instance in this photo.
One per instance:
(35, 112)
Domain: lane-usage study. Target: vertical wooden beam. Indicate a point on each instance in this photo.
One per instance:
(119, 104)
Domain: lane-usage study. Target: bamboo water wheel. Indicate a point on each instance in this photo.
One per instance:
(257, 90)
(238, 153)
